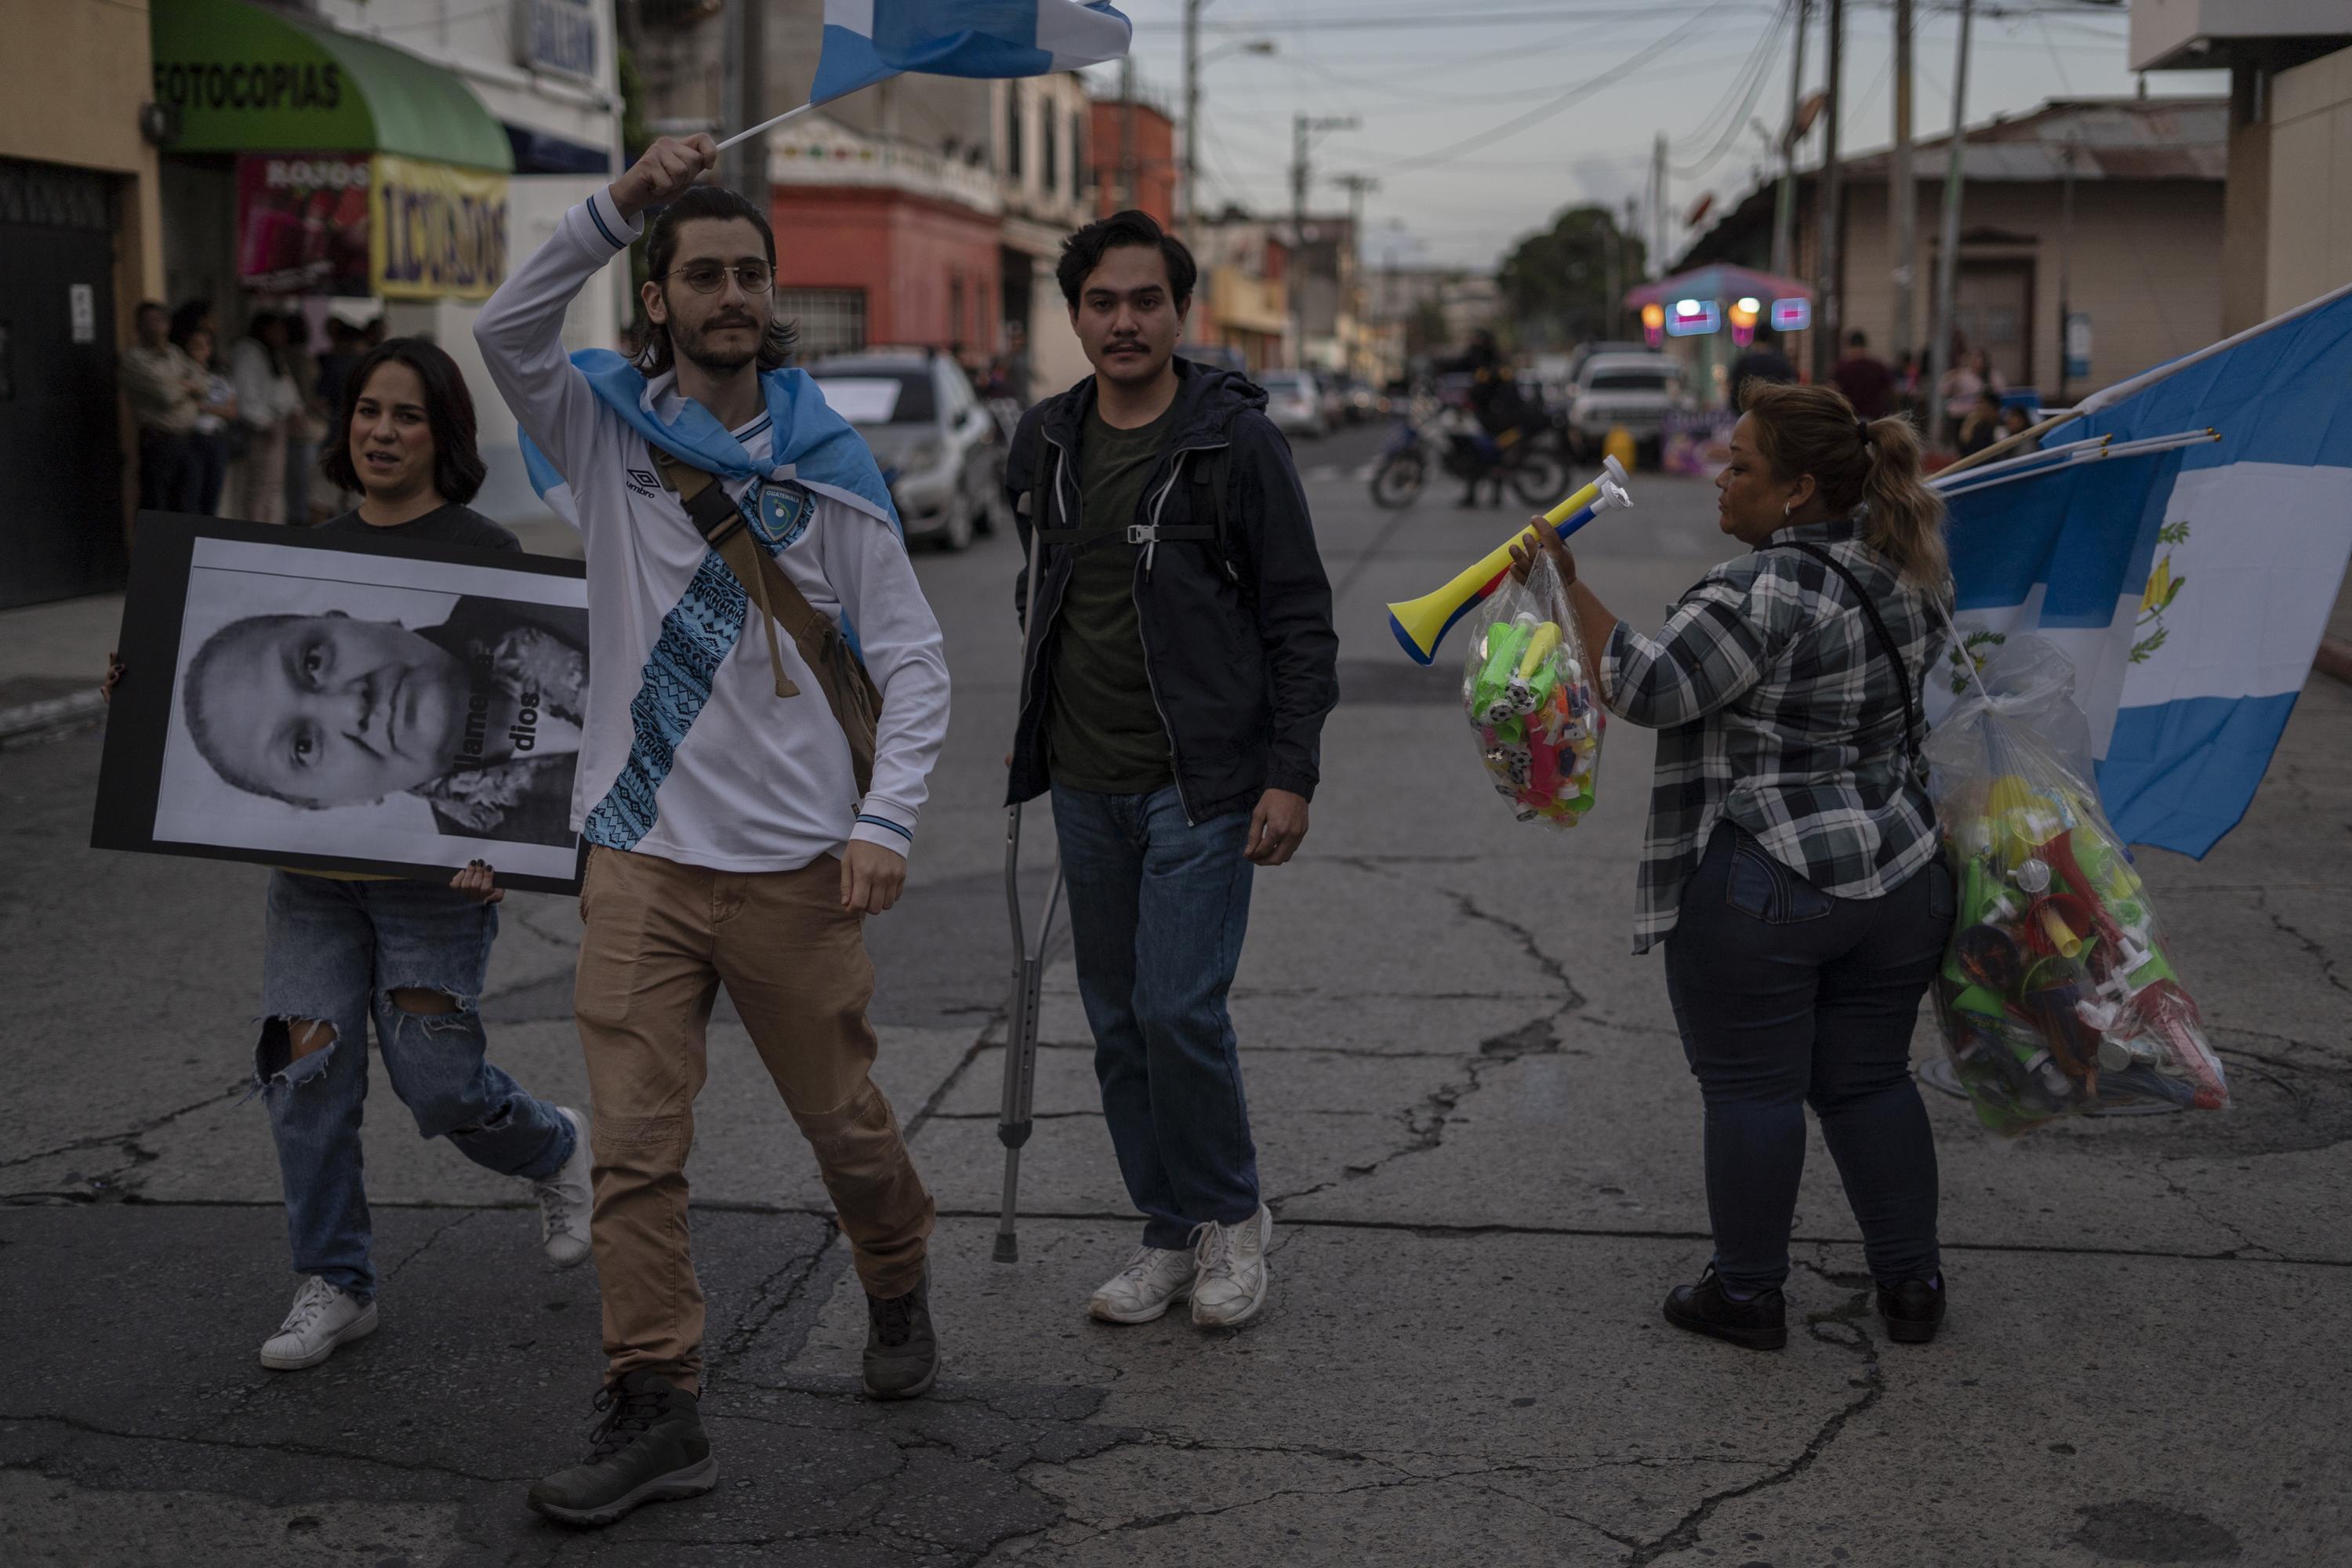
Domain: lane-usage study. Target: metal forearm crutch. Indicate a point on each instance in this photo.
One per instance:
(1012, 1123)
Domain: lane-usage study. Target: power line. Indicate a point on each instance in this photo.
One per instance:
(1536, 116)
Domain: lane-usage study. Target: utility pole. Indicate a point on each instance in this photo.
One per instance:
(2065, 271)
(1185, 209)
(1127, 130)
(1304, 128)
(1356, 185)
(1784, 202)
(1947, 253)
(1658, 218)
(1903, 190)
(1826, 310)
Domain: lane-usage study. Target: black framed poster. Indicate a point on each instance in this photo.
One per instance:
(334, 701)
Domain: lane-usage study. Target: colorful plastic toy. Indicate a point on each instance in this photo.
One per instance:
(2057, 995)
(1524, 689)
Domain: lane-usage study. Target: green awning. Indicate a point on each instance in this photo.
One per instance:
(248, 80)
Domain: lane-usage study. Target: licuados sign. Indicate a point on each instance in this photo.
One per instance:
(435, 231)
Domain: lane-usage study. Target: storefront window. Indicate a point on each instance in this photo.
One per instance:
(831, 321)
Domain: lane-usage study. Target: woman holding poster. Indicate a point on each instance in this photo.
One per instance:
(473, 714)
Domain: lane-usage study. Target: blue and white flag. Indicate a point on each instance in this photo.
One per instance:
(867, 40)
(2183, 540)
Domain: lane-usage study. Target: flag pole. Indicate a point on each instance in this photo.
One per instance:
(765, 125)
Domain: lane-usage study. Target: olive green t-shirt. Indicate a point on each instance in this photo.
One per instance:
(1102, 729)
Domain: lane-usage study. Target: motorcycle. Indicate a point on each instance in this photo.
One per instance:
(1520, 455)
(1404, 465)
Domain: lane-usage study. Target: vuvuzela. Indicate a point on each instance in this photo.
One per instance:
(1420, 625)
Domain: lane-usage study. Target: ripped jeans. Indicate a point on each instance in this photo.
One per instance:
(335, 952)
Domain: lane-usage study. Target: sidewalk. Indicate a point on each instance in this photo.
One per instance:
(52, 656)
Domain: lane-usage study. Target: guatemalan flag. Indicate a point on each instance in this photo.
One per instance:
(867, 40)
(2183, 540)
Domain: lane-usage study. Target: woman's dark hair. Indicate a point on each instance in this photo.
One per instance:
(661, 247)
(1083, 252)
(458, 469)
(1813, 430)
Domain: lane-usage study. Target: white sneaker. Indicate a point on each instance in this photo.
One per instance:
(1229, 1286)
(1154, 1280)
(323, 1317)
(566, 1200)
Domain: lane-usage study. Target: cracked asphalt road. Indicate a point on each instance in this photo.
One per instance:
(1482, 1143)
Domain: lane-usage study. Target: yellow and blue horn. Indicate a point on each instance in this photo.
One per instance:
(1420, 625)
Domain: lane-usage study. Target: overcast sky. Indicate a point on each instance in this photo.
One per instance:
(1481, 120)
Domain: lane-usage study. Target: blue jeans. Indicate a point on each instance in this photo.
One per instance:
(1158, 909)
(335, 951)
(1786, 997)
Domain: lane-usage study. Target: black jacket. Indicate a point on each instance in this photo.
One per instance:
(1236, 631)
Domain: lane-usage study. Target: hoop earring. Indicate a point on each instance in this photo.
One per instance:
(1786, 507)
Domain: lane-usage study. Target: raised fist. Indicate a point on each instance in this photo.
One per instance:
(667, 167)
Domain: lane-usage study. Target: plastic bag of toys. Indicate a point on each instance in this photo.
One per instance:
(2057, 994)
(1528, 693)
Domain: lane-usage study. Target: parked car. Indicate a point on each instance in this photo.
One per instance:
(941, 450)
(1635, 390)
(1361, 402)
(1295, 402)
(1224, 357)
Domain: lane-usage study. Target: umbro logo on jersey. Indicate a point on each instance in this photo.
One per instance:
(642, 481)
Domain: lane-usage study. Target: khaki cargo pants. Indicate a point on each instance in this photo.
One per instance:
(661, 938)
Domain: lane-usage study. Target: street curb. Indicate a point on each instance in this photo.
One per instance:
(30, 720)
(2335, 657)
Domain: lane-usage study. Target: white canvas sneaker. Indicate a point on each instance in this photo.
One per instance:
(566, 1199)
(323, 1318)
(1229, 1284)
(1154, 1280)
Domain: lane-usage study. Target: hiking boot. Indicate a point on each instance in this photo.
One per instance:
(649, 1447)
(323, 1317)
(902, 1352)
(1230, 1268)
(1912, 1308)
(566, 1198)
(1759, 1323)
(1154, 1280)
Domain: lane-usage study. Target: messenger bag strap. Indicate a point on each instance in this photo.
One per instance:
(722, 526)
(1886, 642)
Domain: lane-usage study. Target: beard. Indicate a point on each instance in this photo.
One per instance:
(696, 345)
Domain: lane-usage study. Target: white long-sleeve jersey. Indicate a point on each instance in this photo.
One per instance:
(687, 753)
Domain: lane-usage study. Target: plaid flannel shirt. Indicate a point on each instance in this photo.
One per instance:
(1777, 708)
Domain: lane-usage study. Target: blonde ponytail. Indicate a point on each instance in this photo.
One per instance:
(1905, 522)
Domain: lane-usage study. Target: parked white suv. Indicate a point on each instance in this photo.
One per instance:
(1631, 390)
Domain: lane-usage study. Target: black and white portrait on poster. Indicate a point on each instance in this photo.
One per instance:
(333, 701)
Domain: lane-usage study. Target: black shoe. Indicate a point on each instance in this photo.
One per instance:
(1914, 1309)
(902, 1353)
(1760, 1323)
(649, 1447)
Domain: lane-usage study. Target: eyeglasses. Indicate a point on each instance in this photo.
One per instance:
(710, 277)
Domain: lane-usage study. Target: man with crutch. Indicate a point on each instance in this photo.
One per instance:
(1178, 663)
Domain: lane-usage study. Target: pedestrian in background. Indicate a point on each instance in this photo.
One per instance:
(1981, 427)
(166, 389)
(307, 425)
(1865, 379)
(1791, 867)
(1179, 663)
(340, 952)
(215, 417)
(1763, 362)
(737, 838)
(266, 403)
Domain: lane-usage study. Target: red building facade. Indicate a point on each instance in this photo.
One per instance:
(1133, 141)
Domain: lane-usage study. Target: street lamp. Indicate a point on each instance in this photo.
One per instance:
(1193, 61)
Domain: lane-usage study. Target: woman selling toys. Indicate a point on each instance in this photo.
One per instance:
(1791, 867)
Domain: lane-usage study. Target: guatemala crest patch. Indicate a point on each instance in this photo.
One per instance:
(782, 512)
